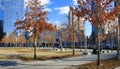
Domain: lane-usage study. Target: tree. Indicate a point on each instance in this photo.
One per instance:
(117, 3)
(53, 35)
(71, 38)
(48, 39)
(22, 39)
(79, 24)
(70, 35)
(26, 35)
(12, 39)
(97, 12)
(5, 39)
(64, 35)
(34, 21)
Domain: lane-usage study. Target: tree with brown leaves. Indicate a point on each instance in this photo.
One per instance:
(48, 39)
(34, 21)
(97, 12)
(22, 39)
(5, 39)
(117, 3)
(12, 39)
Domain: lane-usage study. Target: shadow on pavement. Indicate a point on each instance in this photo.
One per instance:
(8, 63)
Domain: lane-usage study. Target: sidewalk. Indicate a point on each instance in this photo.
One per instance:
(52, 64)
(117, 68)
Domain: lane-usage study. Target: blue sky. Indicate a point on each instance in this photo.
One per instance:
(58, 11)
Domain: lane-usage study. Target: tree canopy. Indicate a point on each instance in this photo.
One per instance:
(35, 19)
(97, 10)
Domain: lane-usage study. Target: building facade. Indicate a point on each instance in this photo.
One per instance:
(11, 10)
(1, 30)
(108, 30)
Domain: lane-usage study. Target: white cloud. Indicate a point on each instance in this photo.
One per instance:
(63, 10)
(25, 1)
(48, 9)
(45, 2)
(57, 23)
(75, 2)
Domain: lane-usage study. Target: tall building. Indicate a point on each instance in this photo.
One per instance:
(1, 25)
(1, 30)
(94, 28)
(107, 30)
(94, 35)
(1, 10)
(117, 2)
(11, 10)
(1, 20)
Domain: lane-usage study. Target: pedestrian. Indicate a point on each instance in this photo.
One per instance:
(94, 50)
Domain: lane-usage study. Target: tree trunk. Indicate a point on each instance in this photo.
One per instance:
(85, 44)
(111, 41)
(35, 45)
(117, 3)
(80, 44)
(72, 22)
(98, 39)
(45, 44)
(61, 41)
(118, 52)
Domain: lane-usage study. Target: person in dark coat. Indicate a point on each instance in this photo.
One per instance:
(94, 50)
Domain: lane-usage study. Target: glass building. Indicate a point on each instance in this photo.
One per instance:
(1, 29)
(1, 10)
(10, 10)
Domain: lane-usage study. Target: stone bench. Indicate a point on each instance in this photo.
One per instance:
(60, 49)
(108, 51)
(104, 51)
(87, 53)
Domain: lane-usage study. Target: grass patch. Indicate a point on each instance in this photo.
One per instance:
(26, 54)
(45, 58)
(55, 55)
(105, 64)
